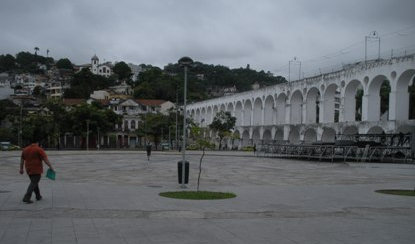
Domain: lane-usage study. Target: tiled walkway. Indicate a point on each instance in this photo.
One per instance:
(112, 197)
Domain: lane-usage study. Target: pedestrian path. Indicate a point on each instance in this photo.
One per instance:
(113, 198)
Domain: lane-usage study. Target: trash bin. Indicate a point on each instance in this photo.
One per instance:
(180, 171)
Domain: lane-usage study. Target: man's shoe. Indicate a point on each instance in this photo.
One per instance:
(38, 198)
(28, 201)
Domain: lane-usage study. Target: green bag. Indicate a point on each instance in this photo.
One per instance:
(51, 174)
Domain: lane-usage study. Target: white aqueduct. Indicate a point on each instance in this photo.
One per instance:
(317, 108)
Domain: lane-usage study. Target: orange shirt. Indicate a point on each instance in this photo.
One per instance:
(33, 156)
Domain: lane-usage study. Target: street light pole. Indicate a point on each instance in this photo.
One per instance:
(294, 61)
(87, 135)
(177, 128)
(186, 62)
(372, 36)
(20, 125)
(99, 139)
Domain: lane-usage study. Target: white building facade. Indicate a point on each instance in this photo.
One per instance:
(305, 110)
(104, 69)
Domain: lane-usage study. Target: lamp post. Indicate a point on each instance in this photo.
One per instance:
(87, 134)
(19, 138)
(99, 139)
(177, 128)
(372, 36)
(294, 61)
(185, 62)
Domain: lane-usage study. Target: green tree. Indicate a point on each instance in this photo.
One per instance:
(64, 63)
(223, 124)
(105, 119)
(197, 134)
(7, 63)
(84, 83)
(36, 126)
(25, 60)
(6, 134)
(122, 70)
(28, 62)
(59, 119)
(39, 92)
(155, 126)
(156, 84)
(7, 109)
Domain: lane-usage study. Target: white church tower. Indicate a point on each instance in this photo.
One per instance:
(94, 64)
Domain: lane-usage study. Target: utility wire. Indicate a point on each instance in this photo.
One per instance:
(350, 47)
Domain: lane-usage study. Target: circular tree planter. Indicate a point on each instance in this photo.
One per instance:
(198, 195)
(399, 192)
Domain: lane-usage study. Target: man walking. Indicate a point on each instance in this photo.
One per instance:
(32, 157)
(148, 149)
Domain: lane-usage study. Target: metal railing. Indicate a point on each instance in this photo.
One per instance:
(359, 148)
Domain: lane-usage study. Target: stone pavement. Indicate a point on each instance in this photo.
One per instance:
(112, 197)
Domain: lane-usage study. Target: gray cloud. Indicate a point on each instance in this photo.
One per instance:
(263, 33)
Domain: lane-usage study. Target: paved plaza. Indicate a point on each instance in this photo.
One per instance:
(112, 197)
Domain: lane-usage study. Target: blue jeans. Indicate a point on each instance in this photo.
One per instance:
(33, 187)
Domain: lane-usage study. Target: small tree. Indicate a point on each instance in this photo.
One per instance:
(155, 126)
(234, 136)
(122, 70)
(64, 63)
(223, 123)
(197, 134)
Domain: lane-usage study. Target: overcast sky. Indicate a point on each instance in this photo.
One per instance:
(263, 33)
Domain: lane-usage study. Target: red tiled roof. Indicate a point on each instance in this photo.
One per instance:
(73, 101)
(150, 102)
(103, 102)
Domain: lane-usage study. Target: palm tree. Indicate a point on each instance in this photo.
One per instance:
(36, 50)
(47, 53)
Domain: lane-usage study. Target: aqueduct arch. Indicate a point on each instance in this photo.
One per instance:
(401, 94)
(347, 101)
(375, 130)
(294, 136)
(329, 135)
(350, 130)
(372, 98)
(256, 137)
(279, 135)
(247, 112)
(310, 135)
(245, 138)
(209, 115)
(267, 137)
(281, 105)
(313, 105)
(238, 114)
(330, 101)
(296, 107)
(269, 113)
(257, 119)
(350, 100)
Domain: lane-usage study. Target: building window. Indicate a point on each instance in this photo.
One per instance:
(132, 124)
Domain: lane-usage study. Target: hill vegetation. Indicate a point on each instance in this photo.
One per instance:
(204, 80)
